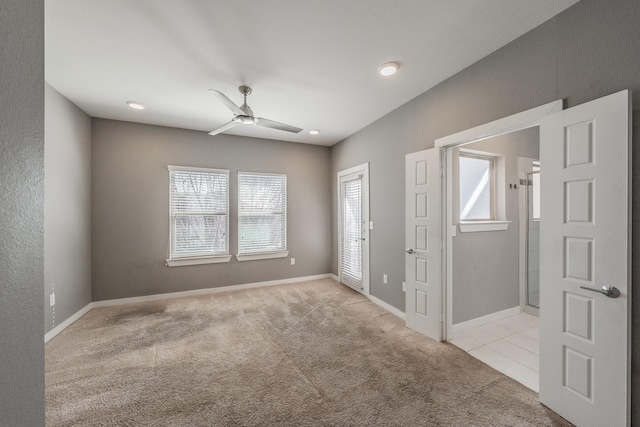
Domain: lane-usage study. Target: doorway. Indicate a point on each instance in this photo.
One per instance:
(577, 254)
(353, 227)
(492, 234)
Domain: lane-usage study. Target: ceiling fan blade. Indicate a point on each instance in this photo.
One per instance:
(229, 103)
(276, 125)
(224, 127)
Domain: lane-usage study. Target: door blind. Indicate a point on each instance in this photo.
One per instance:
(199, 212)
(352, 232)
(262, 213)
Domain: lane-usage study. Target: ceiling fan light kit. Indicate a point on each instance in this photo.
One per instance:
(243, 115)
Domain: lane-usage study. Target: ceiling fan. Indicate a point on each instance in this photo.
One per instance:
(243, 115)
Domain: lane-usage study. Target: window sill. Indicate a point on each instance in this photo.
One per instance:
(479, 226)
(269, 255)
(197, 261)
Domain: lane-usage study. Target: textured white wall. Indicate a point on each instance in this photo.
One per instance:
(21, 212)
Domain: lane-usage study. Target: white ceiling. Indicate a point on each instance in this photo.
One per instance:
(311, 63)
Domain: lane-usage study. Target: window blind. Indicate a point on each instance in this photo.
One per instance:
(199, 212)
(262, 213)
(352, 232)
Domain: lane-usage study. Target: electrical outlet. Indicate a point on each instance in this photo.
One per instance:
(52, 299)
(384, 279)
(293, 261)
(404, 287)
(370, 225)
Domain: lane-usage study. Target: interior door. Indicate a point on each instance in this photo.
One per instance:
(423, 258)
(585, 245)
(353, 230)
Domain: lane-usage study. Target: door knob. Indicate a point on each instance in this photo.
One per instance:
(609, 291)
(410, 251)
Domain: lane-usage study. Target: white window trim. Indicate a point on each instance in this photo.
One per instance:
(179, 262)
(498, 197)
(199, 260)
(491, 181)
(267, 254)
(479, 226)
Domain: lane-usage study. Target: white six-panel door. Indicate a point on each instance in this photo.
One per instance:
(584, 334)
(423, 243)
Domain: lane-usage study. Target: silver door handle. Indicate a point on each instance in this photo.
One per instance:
(609, 291)
(409, 251)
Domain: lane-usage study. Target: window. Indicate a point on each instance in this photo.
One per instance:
(199, 216)
(262, 216)
(535, 182)
(477, 182)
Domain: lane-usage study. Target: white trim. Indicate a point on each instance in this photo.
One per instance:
(191, 169)
(269, 255)
(515, 122)
(479, 321)
(68, 322)
(206, 291)
(391, 309)
(172, 262)
(179, 262)
(519, 121)
(477, 226)
(362, 169)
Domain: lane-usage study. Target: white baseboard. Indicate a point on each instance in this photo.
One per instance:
(64, 325)
(206, 291)
(479, 321)
(391, 309)
(387, 307)
(157, 297)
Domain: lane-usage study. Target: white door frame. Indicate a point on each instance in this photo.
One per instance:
(362, 169)
(519, 121)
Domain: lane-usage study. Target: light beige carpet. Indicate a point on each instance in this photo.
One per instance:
(307, 354)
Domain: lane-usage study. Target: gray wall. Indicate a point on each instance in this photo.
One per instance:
(588, 51)
(21, 212)
(130, 198)
(67, 208)
(486, 264)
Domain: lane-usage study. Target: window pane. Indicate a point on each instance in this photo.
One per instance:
(536, 196)
(195, 235)
(262, 213)
(475, 188)
(352, 231)
(261, 233)
(199, 192)
(198, 203)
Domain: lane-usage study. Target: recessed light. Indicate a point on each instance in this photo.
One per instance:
(388, 69)
(135, 105)
(314, 132)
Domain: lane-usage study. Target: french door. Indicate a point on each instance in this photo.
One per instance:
(353, 214)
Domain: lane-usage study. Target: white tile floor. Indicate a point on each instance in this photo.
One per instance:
(510, 345)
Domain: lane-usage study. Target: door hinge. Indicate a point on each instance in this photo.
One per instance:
(442, 317)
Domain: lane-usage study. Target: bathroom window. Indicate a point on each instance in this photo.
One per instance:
(477, 187)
